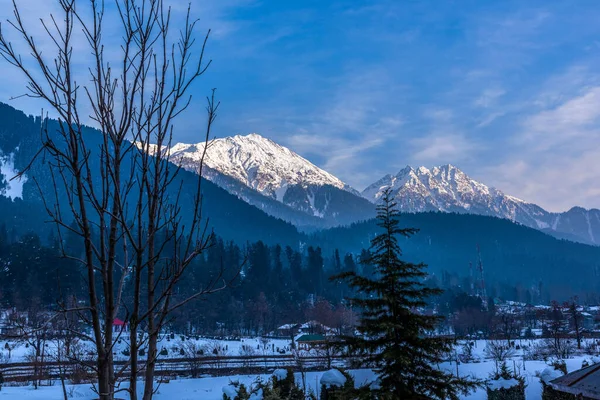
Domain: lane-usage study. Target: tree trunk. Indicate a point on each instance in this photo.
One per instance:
(150, 365)
(105, 388)
(153, 331)
(134, 360)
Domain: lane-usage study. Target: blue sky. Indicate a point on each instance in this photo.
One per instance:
(509, 91)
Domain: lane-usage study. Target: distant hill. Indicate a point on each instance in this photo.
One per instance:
(230, 217)
(510, 252)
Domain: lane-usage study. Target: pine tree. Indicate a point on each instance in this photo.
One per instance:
(396, 338)
(314, 269)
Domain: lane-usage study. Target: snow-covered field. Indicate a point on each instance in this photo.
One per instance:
(211, 388)
(245, 346)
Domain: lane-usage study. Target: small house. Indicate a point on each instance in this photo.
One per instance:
(315, 327)
(119, 326)
(583, 384)
(307, 342)
(287, 330)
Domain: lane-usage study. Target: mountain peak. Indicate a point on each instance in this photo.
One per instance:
(256, 137)
(257, 162)
(423, 170)
(404, 171)
(443, 188)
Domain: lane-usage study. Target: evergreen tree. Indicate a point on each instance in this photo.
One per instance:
(315, 270)
(337, 263)
(294, 259)
(349, 264)
(259, 269)
(395, 336)
(278, 276)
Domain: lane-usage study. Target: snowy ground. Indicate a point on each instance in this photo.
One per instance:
(19, 350)
(184, 389)
(210, 388)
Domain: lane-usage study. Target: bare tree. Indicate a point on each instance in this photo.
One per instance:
(32, 328)
(498, 351)
(330, 349)
(192, 352)
(66, 351)
(576, 317)
(558, 343)
(118, 190)
(507, 324)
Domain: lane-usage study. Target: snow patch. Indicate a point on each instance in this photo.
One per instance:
(549, 374)
(556, 221)
(14, 188)
(280, 373)
(333, 377)
(230, 391)
(502, 383)
(589, 225)
(280, 191)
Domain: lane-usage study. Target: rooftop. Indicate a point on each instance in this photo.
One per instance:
(585, 382)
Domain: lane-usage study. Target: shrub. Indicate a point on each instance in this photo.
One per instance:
(339, 387)
(505, 384)
(559, 365)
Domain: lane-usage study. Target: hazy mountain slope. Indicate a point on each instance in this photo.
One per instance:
(511, 253)
(228, 216)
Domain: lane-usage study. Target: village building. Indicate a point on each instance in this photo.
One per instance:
(120, 326)
(583, 384)
(308, 342)
(287, 330)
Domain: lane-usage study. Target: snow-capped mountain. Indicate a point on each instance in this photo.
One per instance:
(252, 161)
(284, 184)
(257, 162)
(448, 189)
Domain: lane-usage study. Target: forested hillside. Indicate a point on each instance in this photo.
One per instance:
(228, 216)
(511, 253)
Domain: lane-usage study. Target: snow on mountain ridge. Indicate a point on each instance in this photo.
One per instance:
(446, 188)
(252, 162)
(257, 162)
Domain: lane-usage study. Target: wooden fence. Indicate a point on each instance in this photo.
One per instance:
(171, 367)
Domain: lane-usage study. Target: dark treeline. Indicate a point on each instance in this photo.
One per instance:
(515, 258)
(273, 285)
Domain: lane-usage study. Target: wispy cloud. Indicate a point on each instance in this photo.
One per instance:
(509, 91)
(443, 148)
(346, 125)
(554, 157)
(575, 119)
(489, 97)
